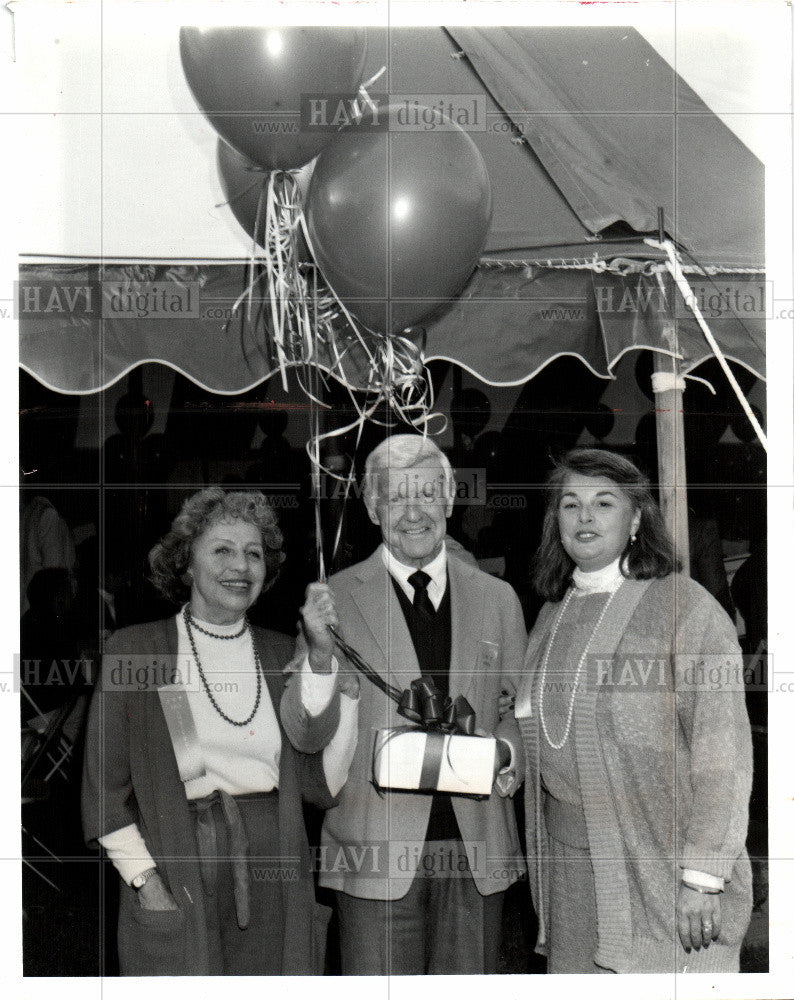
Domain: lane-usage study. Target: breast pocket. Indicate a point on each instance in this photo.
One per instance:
(489, 661)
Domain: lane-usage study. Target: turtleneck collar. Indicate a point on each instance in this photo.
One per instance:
(599, 581)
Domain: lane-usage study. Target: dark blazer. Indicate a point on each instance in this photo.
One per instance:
(131, 775)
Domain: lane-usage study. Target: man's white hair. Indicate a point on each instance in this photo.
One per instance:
(404, 451)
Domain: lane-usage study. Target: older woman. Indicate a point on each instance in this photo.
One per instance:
(638, 745)
(189, 783)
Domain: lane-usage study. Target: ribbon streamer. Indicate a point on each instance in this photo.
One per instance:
(301, 322)
(364, 95)
(363, 667)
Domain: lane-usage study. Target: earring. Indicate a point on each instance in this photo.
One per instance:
(633, 538)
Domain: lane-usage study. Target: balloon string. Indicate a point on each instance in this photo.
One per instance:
(351, 478)
(364, 95)
(373, 79)
(396, 365)
(255, 242)
(303, 331)
(314, 441)
(241, 194)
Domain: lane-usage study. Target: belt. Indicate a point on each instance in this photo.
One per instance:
(207, 841)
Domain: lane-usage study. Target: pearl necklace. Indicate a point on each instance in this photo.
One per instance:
(552, 744)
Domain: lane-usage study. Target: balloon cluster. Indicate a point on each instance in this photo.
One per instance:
(391, 210)
(397, 215)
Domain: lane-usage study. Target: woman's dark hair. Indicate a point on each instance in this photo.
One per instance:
(170, 557)
(652, 555)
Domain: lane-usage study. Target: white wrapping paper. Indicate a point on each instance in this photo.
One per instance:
(467, 762)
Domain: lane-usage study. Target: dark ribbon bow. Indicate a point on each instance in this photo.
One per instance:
(424, 704)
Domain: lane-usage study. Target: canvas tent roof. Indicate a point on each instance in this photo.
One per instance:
(610, 133)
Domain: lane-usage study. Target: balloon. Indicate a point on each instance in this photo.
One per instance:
(415, 205)
(242, 183)
(249, 83)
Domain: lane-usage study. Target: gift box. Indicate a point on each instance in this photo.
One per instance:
(413, 759)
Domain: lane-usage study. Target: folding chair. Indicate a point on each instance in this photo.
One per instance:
(47, 749)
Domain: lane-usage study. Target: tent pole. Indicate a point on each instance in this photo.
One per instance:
(668, 391)
(670, 448)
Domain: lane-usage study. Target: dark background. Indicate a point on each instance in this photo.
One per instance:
(119, 494)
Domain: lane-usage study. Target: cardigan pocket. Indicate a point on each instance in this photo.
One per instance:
(151, 942)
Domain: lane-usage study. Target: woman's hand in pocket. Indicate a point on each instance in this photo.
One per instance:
(153, 895)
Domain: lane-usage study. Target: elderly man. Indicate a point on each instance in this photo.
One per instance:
(419, 877)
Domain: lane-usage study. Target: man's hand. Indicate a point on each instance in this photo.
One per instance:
(504, 753)
(153, 895)
(318, 612)
(698, 917)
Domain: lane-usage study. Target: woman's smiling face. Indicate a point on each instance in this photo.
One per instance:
(596, 521)
(227, 565)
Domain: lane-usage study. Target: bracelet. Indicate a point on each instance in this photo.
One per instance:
(699, 888)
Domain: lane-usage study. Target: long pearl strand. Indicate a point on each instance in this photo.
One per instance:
(566, 734)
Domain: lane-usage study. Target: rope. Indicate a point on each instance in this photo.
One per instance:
(674, 267)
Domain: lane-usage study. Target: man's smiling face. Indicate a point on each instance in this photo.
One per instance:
(411, 507)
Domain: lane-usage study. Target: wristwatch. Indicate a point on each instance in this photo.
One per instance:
(140, 880)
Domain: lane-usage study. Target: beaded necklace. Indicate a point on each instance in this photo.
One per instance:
(190, 621)
(552, 744)
(215, 635)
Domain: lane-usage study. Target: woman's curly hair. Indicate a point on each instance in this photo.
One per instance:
(170, 557)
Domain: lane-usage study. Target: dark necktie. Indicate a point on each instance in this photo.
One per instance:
(419, 581)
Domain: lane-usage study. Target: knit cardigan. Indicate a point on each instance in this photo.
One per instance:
(664, 754)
